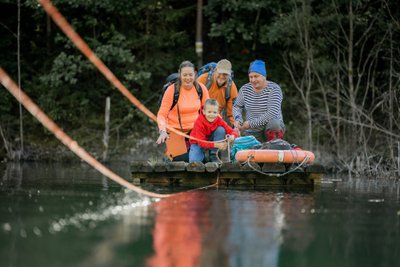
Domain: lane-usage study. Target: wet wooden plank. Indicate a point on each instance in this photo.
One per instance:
(269, 181)
(273, 168)
(227, 173)
(250, 167)
(315, 168)
(141, 166)
(199, 179)
(152, 180)
(174, 166)
(195, 167)
(296, 168)
(160, 167)
(212, 166)
(230, 167)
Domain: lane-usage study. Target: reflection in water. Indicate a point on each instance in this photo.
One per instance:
(131, 213)
(69, 215)
(180, 225)
(216, 229)
(55, 214)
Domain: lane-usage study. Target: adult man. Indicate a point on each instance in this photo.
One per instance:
(221, 80)
(261, 101)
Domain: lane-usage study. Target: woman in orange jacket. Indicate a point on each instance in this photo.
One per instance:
(182, 115)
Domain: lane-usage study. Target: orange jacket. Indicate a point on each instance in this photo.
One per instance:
(189, 105)
(219, 94)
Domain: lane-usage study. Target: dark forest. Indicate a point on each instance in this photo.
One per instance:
(337, 62)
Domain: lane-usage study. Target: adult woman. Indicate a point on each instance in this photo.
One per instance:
(192, 96)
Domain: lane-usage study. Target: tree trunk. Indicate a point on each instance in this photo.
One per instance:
(199, 41)
(106, 135)
(21, 126)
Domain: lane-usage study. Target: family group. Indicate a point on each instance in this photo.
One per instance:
(197, 105)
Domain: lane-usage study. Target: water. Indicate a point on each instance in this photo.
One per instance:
(71, 215)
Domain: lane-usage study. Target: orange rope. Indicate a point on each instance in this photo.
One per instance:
(10, 85)
(85, 49)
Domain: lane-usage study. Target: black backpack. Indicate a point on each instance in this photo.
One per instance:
(210, 68)
(172, 79)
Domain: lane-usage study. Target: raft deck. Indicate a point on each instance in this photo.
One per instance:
(225, 174)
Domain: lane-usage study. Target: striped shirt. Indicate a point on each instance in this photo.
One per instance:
(260, 107)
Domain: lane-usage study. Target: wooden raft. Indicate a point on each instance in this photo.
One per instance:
(226, 174)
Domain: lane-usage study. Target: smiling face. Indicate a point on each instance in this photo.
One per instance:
(258, 81)
(222, 78)
(210, 112)
(187, 77)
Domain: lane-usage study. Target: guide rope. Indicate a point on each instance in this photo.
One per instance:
(63, 24)
(35, 110)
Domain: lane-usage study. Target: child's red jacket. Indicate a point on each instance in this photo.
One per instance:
(203, 129)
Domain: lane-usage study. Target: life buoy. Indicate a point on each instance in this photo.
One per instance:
(275, 156)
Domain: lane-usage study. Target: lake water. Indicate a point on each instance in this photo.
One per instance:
(71, 215)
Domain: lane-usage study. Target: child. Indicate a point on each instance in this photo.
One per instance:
(209, 126)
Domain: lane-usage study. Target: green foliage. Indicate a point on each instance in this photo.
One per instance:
(327, 77)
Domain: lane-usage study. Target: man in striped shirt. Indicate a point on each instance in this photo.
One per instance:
(261, 101)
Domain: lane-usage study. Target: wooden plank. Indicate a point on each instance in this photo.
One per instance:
(212, 166)
(315, 177)
(160, 167)
(230, 167)
(294, 168)
(250, 166)
(297, 179)
(230, 174)
(195, 167)
(199, 179)
(273, 168)
(141, 166)
(315, 168)
(175, 166)
(269, 181)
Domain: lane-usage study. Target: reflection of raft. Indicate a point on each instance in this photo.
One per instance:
(275, 156)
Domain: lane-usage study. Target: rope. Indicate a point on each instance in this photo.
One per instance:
(208, 186)
(34, 109)
(229, 148)
(275, 174)
(57, 17)
(63, 24)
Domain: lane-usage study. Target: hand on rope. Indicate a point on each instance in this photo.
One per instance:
(228, 141)
(221, 145)
(230, 138)
(224, 143)
(236, 126)
(241, 126)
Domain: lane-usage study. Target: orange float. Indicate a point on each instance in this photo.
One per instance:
(275, 156)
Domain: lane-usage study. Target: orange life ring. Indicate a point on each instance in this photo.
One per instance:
(275, 156)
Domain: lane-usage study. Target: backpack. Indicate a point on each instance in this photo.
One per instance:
(210, 68)
(277, 144)
(244, 142)
(172, 79)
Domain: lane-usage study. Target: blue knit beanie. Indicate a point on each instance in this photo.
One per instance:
(258, 66)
